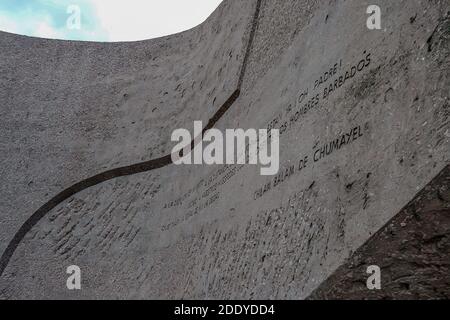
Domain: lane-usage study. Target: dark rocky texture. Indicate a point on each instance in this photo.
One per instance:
(412, 250)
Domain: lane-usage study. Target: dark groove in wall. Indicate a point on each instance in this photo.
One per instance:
(250, 43)
(128, 170)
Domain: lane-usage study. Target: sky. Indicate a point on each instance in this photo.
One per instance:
(102, 20)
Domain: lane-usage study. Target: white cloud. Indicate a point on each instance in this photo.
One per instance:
(44, 29)
(39, 26)
(8, 24)
(138, 19)
(107, 20)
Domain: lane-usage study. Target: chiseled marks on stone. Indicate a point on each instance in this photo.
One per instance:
(135, 168)
(279, 23)
(73, 109)
(96, 228)
(284, 244)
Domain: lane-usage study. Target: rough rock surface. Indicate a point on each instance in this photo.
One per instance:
(70, 110)
(412, 252)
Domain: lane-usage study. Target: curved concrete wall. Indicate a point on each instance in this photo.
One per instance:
(70, 110)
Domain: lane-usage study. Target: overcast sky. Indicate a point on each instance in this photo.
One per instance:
(103, 20)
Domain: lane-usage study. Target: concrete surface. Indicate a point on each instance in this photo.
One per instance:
(71, 110)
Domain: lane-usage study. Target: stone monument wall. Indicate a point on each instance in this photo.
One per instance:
(86, 179)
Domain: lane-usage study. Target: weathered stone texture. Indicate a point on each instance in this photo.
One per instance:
(70, 110)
